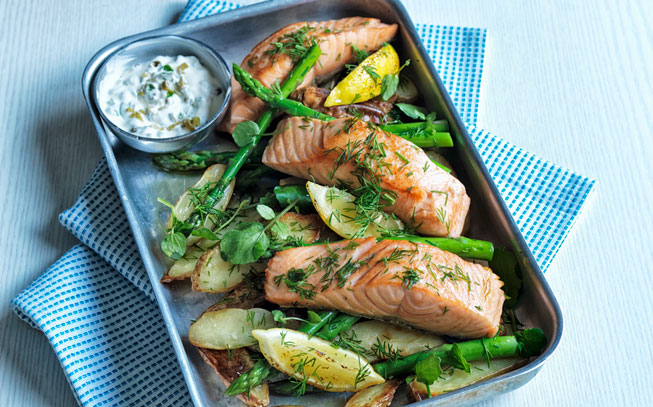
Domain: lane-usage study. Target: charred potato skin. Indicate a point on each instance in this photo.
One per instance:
(229, 365)
(380, 395)
(416, 393)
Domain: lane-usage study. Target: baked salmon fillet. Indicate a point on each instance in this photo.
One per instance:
(351, 152)
(411, 283)
(273, 58)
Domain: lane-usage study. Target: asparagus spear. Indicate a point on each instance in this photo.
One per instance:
(527, 343)
(191, 160)
(289, 388)
(254, 88)
(258, 374)
(462, 246)
(311, 328)
(294, 79)
(249, 177)
(340, 323)
(400, 128)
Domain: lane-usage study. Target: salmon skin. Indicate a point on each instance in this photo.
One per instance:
(273, 58)
(412, 283)
(352, 152)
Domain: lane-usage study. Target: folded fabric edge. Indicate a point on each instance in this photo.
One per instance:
(577, 191)
(28, 314)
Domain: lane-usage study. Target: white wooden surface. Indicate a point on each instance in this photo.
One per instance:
(570, 81)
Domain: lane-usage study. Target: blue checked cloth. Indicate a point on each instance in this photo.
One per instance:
(105, 326)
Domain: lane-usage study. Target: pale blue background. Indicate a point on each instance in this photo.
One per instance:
(570, 82)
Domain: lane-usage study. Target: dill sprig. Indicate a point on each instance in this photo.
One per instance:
(294, 44)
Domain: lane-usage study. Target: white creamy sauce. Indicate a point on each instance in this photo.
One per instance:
(166, 97)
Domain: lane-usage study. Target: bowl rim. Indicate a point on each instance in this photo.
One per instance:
(204, 127)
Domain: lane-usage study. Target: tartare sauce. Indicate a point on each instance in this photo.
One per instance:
(165, 97)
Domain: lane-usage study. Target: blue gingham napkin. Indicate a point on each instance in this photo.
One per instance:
(106, 328)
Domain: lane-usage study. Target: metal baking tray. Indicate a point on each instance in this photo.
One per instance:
(233, 34)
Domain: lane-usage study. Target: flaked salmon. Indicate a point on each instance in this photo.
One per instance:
(273, 58)
(352, 152)
(413, 283)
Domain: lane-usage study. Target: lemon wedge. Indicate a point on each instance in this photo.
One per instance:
(337, 208)
(318, 362)
(364, 82)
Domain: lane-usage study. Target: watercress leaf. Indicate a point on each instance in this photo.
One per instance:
(279, 316)
(531, 342)
(412, 111)
(205, 233)
(167, 67)
(280, 230)
(245, 244)
(184, 228)
(427, 371)
(458, 360)
(504, 264)
(389, 86)
(265, 211)
(245, 132)
(313, 317)
(174, 245)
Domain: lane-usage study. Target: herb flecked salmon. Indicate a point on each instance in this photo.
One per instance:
(273, 58)
(413, 283)
(352, 152)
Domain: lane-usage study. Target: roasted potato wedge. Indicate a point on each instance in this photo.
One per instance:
(306, 228)
(212, 274)
(183, 268)
(453, 379)
(380, 339)
(244, 296)
(231, 364)
(229, 328)
(185, 204)
(379, 395)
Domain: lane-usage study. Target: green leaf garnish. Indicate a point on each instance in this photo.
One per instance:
(389, 86)
(265, 211)
(412, 111)
(245, 244)
(458, 360)
(531, 342)
(245, 133)
(427, 371)
(174, 245)
(279, 316)
(313, 317)
(167, 67)
(504, 264)
(280, 230)
(205, 233)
